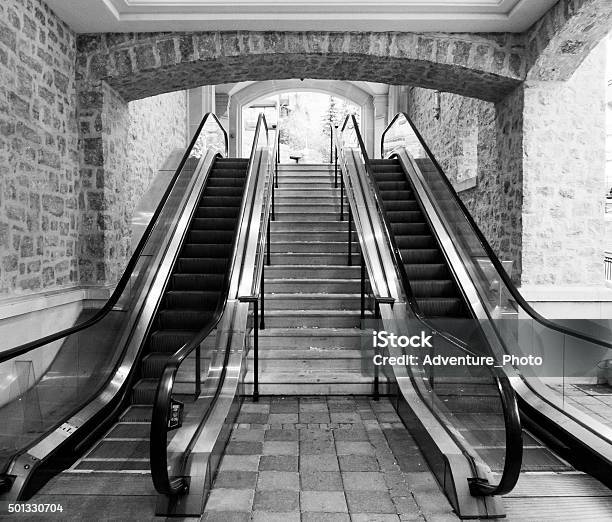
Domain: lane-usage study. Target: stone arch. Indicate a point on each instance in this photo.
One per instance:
(137, 65)
(257, 90)
(560, 41)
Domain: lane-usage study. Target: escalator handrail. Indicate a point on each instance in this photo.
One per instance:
(127, 274)
(163, 395)
(512, 421)
(516, 294)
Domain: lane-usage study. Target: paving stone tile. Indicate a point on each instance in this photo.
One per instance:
(354, 448)
(317, 447)
(284, 407)
(314, 417)
(432, 502)
(226, 516)
(252, 418)
(316, 434)
(277, 480)
(273, 447)
(374, 517)
(442, 517)
(278, 463)
(421, 481)
(364, 481)
(345, 417)
(318, 463)
(283, 418)
(323, 501)
(325, 517)
(370, 502)
(244, 448)
(247, 435)
(351, 435)
(270, 516)
(276, 500)
(250, 407)
(236, 479)
(232, 500)
(358, 463)
(239, 463)
(406, 505)
(313, 407)
(281, 435)
(321, 481)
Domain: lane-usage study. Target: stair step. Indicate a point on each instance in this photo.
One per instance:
(312, 285)
(284, 199)
(313, 319)
(324, 258)
(313, 302)
(309, 226)
(312, 237)
(307, 338)
(315, 271)
(313, 360)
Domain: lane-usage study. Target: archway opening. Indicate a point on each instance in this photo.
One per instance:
(304, 119)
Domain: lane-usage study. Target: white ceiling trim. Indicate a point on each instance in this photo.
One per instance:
(301, 15)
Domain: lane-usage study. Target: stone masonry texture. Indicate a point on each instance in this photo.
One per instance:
(474, 137)
(137, 65)
(39, 169)
(123, 147)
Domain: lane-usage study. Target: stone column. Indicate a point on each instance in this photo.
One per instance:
(199, 101)
(222, 109)
(381, 110)
(563, 173)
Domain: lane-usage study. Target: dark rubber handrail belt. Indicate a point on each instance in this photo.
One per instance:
(512, 422)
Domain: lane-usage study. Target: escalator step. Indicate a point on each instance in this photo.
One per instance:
(233, 192)
(190, 299)
(208, 282)
(169, 341)
(143, 391)
(414, 256)
(202, 250)
(423, 271)
(237, 180)
(415, 242)
(227, 173)
(397, 195)
(213, 223)
(183, 319)
(399, 206)
(433, 288)
(201, 265)
(215, 237)
(385, 186)
(217, 212)
(386, 166)
(411, 216)
(416, 229)
(232, 163)
(395, 175)
(153, 365)
(137, 413)
(221, 201)
(442, 306)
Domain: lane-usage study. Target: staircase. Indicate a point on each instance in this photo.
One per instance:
(312, 340)
(188, 304)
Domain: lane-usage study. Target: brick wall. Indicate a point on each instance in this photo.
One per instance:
(38, 150)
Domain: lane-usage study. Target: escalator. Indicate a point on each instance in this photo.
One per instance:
(446, 280)
(142, 376)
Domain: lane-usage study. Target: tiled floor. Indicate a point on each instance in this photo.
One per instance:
(593, 399)
(323, 459)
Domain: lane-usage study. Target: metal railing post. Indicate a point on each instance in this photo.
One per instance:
(341, 198)
(336, 168)
(331, 145)
(256, 352)
(273, 203)
(198, 372)
(268, 258)
(350, 237)
(363, 271)
(262, 322)
(376, 369)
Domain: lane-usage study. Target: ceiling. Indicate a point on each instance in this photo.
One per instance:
(300, 15)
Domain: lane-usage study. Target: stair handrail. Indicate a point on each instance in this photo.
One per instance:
(512, 421)
(516, 294)
(131, 265)
(162, 481)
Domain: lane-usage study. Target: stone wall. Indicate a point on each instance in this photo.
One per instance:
(39, 218)
(124, 145)
(563, 177)
(475, 138)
